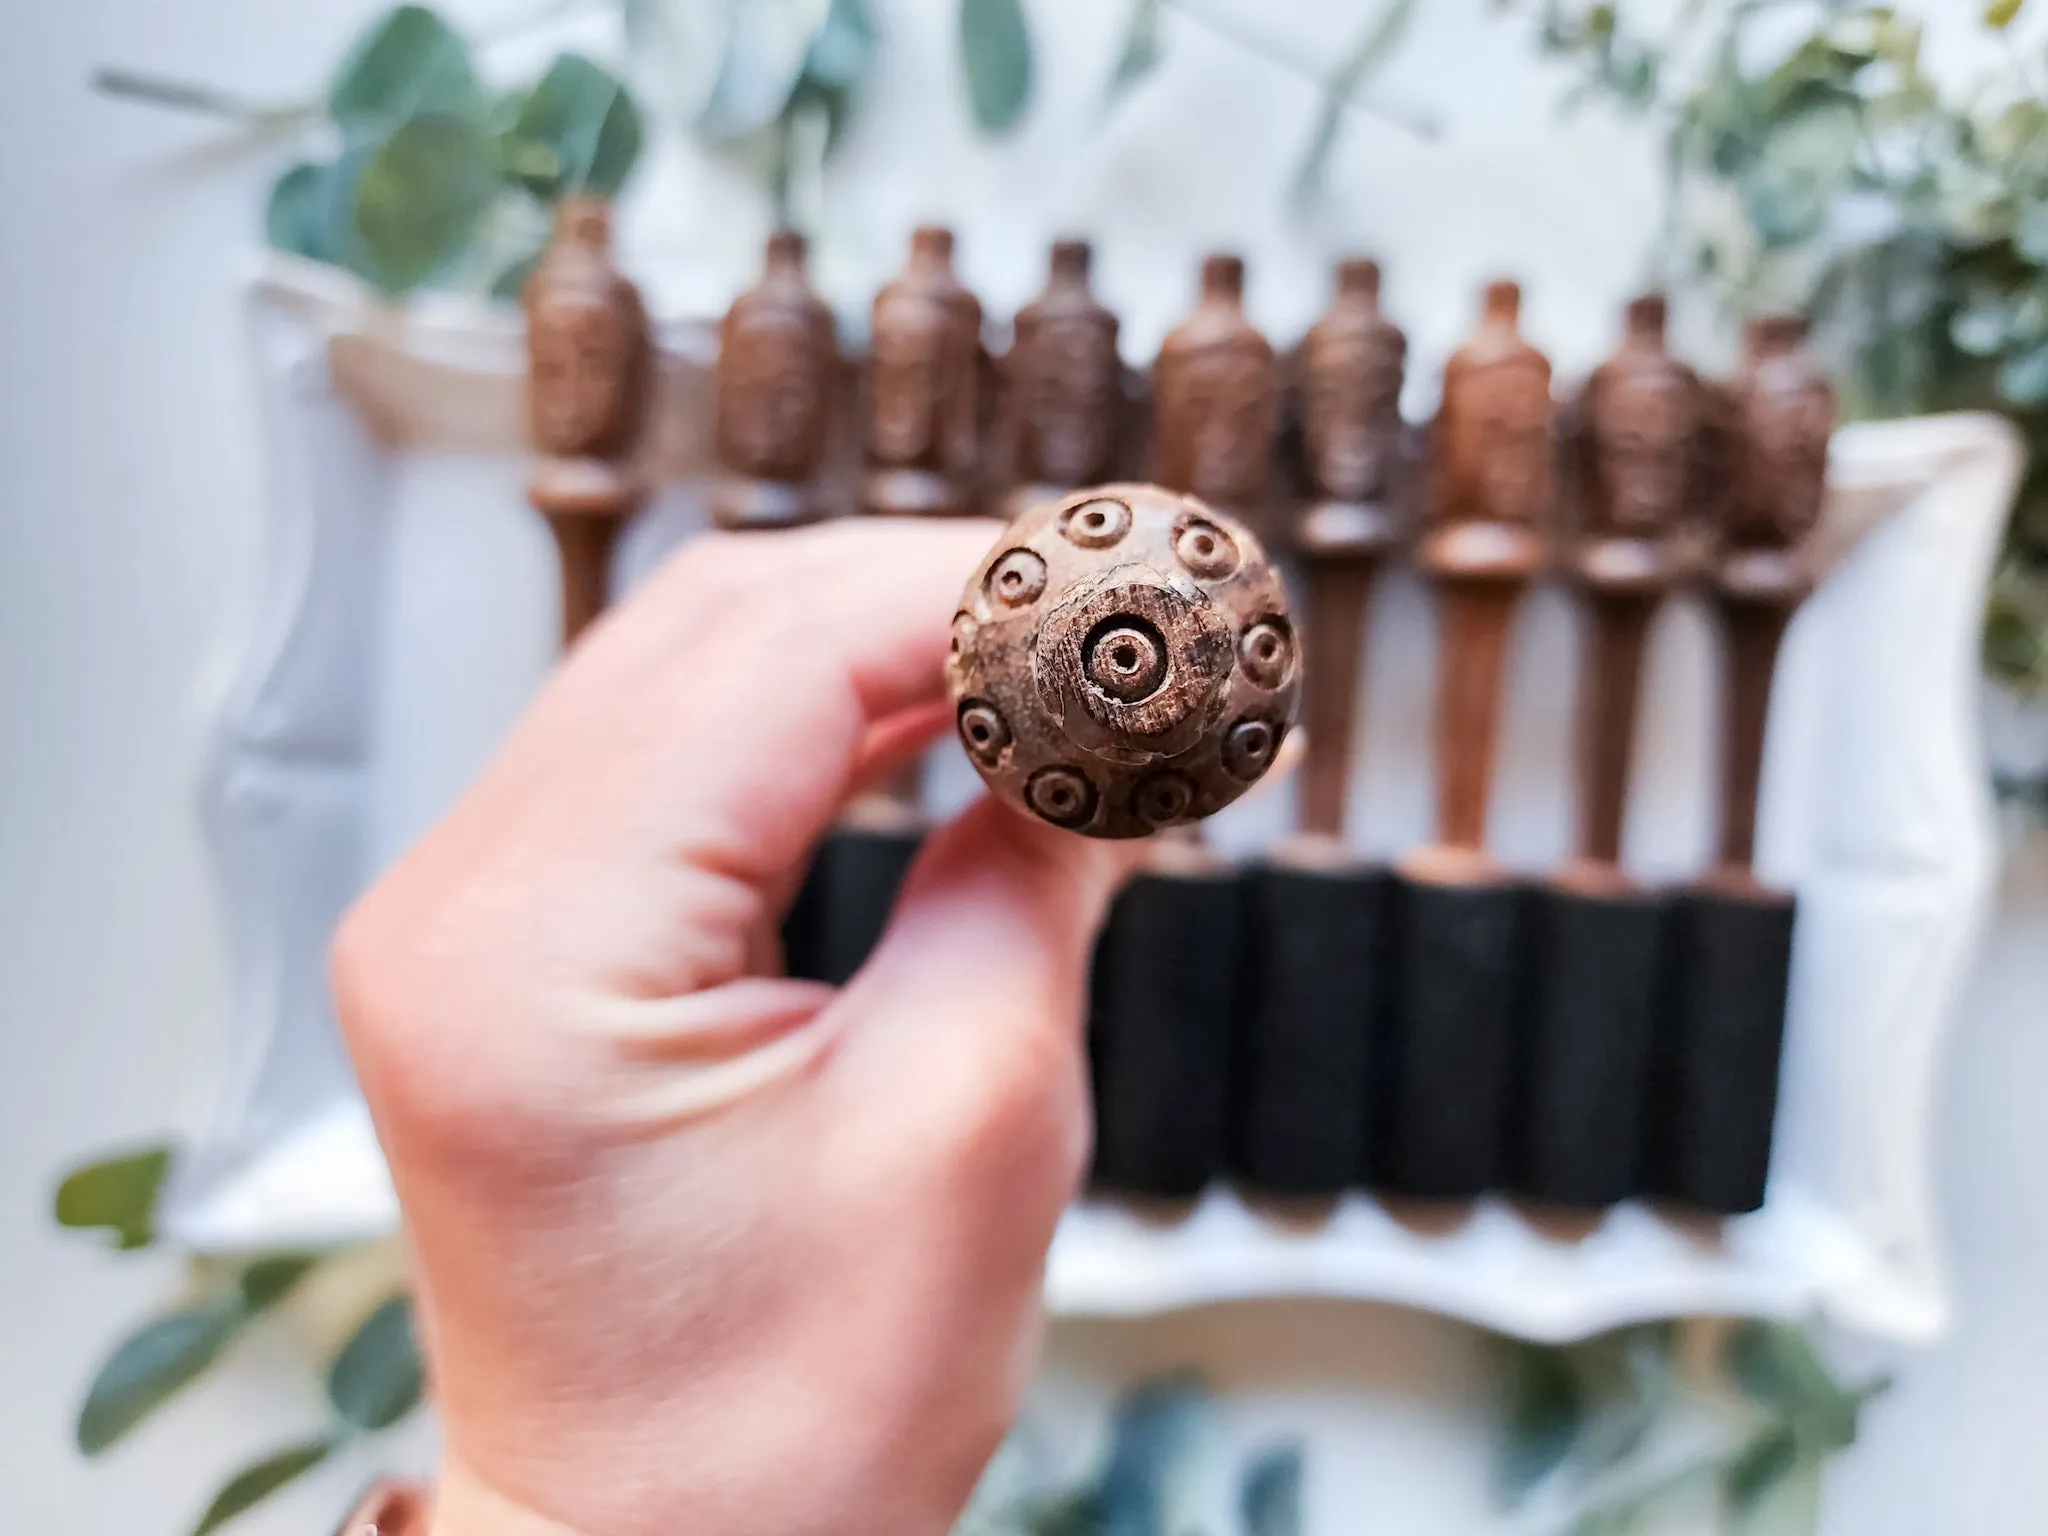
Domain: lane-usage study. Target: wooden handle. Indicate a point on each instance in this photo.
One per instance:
(584, 544)
(1474, 617)
(1618, 625)
(1338, 601)
(1753, 630)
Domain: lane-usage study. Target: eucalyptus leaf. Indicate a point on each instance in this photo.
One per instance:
(2031, 234)
(2023, 381)
(835, 68)
(419, 198)
(1753, 1474)
(2002, 13)
(1982, 327)
(1270, 1500)
(151, 1366)
(995, 50)
(766, 48)
(295, 218)
(375, 1380)
(510, 283)
(1375, 46)
(1153, 1436)
(1140, 53)
(118, 1194)
(1609, 1520)
(259, 1480)
(578, 130)
(1804, 164)
(268, 1280)
(1544, 1413)
(408, 62)
(1790, 1506)
(1778, 1366)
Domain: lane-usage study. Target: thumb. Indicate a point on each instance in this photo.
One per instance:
(981, 977)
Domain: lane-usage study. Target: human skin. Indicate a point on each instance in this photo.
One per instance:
(700, 1248)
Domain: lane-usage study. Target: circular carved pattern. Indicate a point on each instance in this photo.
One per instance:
(1205, 549)
(1163, 798)
(1096, 523)
(983, 731)
(1248, 749)
(1062, 795)
(1125, 657)
(1123, 662)
(1266, 652)
(1017, 580)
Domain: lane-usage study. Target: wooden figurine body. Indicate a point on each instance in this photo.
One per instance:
(590, 381)
(778, 362)
(1491, 489)
(1216, 398)
(1353, 363)
(922, 441)
(1065, 386)
(1780, 414)
(1633, 452)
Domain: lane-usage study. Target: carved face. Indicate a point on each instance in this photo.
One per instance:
(1500, 440)
(1642, 433)
(1070, 388)
(1222, 401)
(773, 398)
(1789, 416)
(585, 374)
(1352, 404)
(910, 380)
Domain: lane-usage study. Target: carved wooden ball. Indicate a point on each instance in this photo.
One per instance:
(1123, 661)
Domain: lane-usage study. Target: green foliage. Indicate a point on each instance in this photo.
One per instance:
(149, 1367)
(1140, 53)
(375, 1380)
(164, 1356)
(1270, 1499)
(784, 98)
(418, 199)
(1158, 1433)
(1910, 220)
(117, 1194)
(576, 131)
(1375, 46)
(409, 63)
(1592, 1412)
(430, 164)
(1544, 1412)
(995, 53)
(260, 1479)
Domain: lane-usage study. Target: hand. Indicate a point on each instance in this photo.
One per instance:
(700, 1248)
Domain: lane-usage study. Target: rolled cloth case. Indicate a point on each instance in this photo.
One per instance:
(1448, 1039)
(1163, 1006)
(1582, 1089)
(1723, 1031)
(1314, 963)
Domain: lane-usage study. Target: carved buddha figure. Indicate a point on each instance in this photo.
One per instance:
(1640, 419)
(777, 360)
(1217, 396)
(1353, 363)
(1064, 378)
(924, 355)
(1493, 449)
(591, 360)
(1784, 415)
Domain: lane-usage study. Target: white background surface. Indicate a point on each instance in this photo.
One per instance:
(129, 483)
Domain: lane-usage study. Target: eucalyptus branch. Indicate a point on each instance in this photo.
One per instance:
(204, 100)
(1233, 31)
